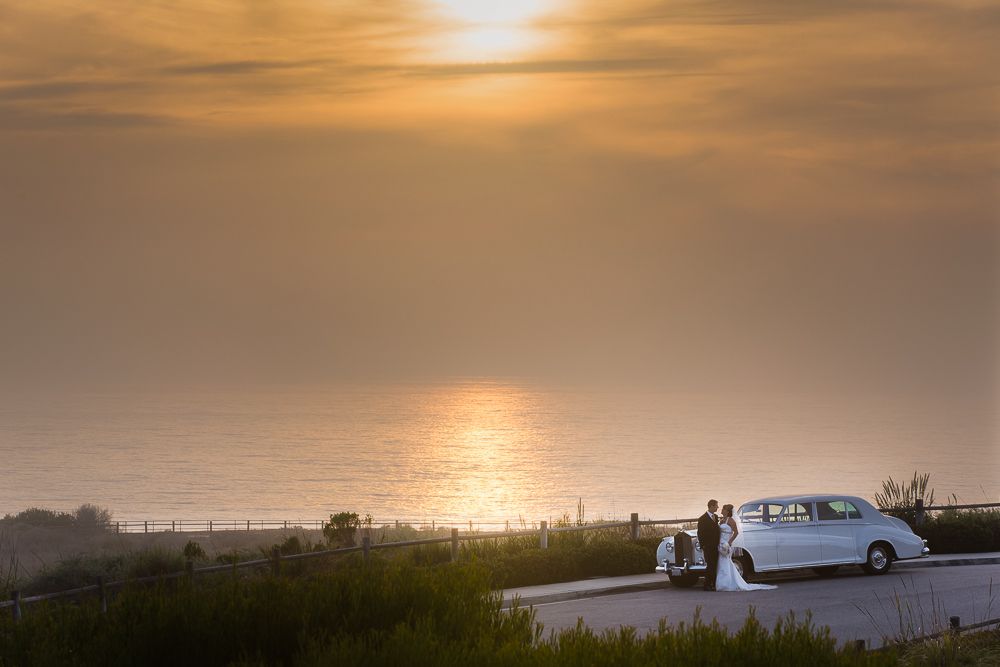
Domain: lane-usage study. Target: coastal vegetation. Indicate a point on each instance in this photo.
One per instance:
(404, 605)
(379, 612)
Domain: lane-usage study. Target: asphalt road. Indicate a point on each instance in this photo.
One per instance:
(854, 605)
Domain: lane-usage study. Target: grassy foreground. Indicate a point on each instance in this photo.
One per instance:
(379, 613)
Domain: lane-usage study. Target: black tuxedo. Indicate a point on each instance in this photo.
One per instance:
(709, 536)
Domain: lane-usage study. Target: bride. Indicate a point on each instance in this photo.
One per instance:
(728, 577)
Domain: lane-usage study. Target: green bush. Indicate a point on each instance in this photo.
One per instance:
(194, 551)
(40, 518)
(962, 531)
(602, 558)
(92, 517)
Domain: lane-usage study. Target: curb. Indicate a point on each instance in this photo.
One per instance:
(967, 560)
(526, 601)
(591, 593)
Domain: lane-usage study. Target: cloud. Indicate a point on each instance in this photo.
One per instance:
(15, 119)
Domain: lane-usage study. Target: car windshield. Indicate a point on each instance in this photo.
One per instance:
(760, 512)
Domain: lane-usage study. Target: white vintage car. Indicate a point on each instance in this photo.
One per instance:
(821, 532)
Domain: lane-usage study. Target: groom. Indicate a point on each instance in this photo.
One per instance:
(708, 538)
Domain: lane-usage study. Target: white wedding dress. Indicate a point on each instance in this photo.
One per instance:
(728, 578)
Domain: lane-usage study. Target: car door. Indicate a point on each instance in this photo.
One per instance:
(756, 524)
(797, 537)
(836, 533)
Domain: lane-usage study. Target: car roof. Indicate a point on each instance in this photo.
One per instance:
(812, 497)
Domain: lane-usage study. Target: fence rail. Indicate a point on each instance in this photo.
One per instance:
(216, 525)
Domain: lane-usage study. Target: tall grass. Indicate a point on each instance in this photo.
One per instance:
(899, 499)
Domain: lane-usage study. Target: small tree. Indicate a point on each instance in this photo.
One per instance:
(92, 517)
(193, 551)
(340, 531)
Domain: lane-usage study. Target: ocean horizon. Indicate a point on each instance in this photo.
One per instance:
(484, 450)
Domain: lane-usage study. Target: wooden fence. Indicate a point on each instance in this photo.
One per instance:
(101, 588)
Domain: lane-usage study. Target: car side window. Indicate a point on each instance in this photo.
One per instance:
(852, 511)
(834, 510)
(797, 513)
(760, 512)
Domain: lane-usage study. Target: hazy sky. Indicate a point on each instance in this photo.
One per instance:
(718, 194)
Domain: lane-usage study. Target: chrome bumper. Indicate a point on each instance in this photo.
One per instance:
(672, 569)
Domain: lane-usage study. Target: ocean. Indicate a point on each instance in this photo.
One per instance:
(480, 450)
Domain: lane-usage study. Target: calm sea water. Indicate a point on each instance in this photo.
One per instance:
(479, 450)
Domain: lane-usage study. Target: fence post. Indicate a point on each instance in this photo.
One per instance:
(397, 524)
(173, 526)
(454, 544)
(286, 524)
(635, 525)
(145, 526)
(117, 526)
(103, 593)
(275, 560)
(210, 526)
(860, 645)
(366, 547)
(954, 624)
(248, 525)
(543, 537)
(920, 512)
(16, 609)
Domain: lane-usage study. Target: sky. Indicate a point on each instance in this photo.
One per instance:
(711, 194)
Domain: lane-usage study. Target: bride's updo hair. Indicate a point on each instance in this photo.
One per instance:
(727, 510)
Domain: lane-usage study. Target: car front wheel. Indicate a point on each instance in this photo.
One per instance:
(879, 559)
(683, 580)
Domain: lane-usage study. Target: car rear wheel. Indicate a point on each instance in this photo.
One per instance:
(826, 570)
(879, 559)
(683, 580)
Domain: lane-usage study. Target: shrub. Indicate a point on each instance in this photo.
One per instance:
(342, 527)
(193, 551)
(40, 518)
(92, 517)
(151, 562)
(962, 531)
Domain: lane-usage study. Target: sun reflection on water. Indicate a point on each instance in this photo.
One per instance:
(493, 428)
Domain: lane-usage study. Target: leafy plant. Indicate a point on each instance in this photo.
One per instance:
(193, 551)
(92, 517)
(40, 518)
(342, 527)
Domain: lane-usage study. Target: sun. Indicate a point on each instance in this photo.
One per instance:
(491, 29)
(494, 12)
